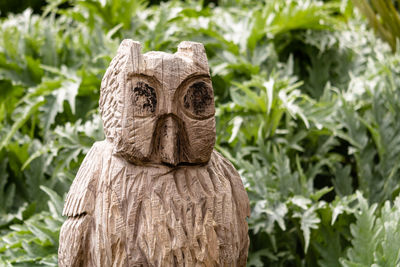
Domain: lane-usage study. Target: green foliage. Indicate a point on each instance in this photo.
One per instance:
(383, 17)
(36, 241)
(374, 237)
(307, 109)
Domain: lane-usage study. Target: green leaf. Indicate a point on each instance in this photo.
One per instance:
(366, 235)
(56, 203)
(21, 118)
(308, 220)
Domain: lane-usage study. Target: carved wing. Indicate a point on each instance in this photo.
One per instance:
(79, 206)
(80, 198)
(241, 201)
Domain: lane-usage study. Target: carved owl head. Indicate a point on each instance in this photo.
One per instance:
(159, 107)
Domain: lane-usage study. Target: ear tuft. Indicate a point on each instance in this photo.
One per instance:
(129, 44)
(191, 47)
(195, 51)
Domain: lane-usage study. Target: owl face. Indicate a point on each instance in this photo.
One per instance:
(159, 107)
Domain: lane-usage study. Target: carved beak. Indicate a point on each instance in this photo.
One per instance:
(169, 147)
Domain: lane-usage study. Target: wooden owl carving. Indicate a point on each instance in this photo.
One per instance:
(155, 192)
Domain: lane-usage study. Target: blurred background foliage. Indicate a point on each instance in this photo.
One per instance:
(308, 110)
(383, 16)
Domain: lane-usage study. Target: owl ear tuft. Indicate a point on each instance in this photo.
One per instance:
(191, 47)
(129, 44)
(195, 51)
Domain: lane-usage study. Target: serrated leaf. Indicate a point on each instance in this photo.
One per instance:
(308, 220)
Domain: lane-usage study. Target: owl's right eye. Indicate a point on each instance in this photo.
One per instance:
(198, 100)
(144, 99)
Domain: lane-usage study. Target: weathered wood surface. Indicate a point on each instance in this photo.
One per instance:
(155, 193)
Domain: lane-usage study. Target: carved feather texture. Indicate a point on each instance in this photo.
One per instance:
(155, 215)
(111, 99)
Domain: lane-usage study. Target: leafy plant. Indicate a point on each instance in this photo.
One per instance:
(36, 240)
(374, 237)
(383, 17)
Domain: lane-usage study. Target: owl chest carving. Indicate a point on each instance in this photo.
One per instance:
(155, 193)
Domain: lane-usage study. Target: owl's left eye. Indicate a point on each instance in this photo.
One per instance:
(198, 100)
(144, 99)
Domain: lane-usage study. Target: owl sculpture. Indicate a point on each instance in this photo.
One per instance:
(155, 192)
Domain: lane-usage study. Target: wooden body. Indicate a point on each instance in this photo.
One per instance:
(155, 193)
(126, 215)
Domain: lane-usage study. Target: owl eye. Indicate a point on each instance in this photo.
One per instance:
(144, 99)
(198, 100)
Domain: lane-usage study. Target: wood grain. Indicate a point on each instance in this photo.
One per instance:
(155, 192)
